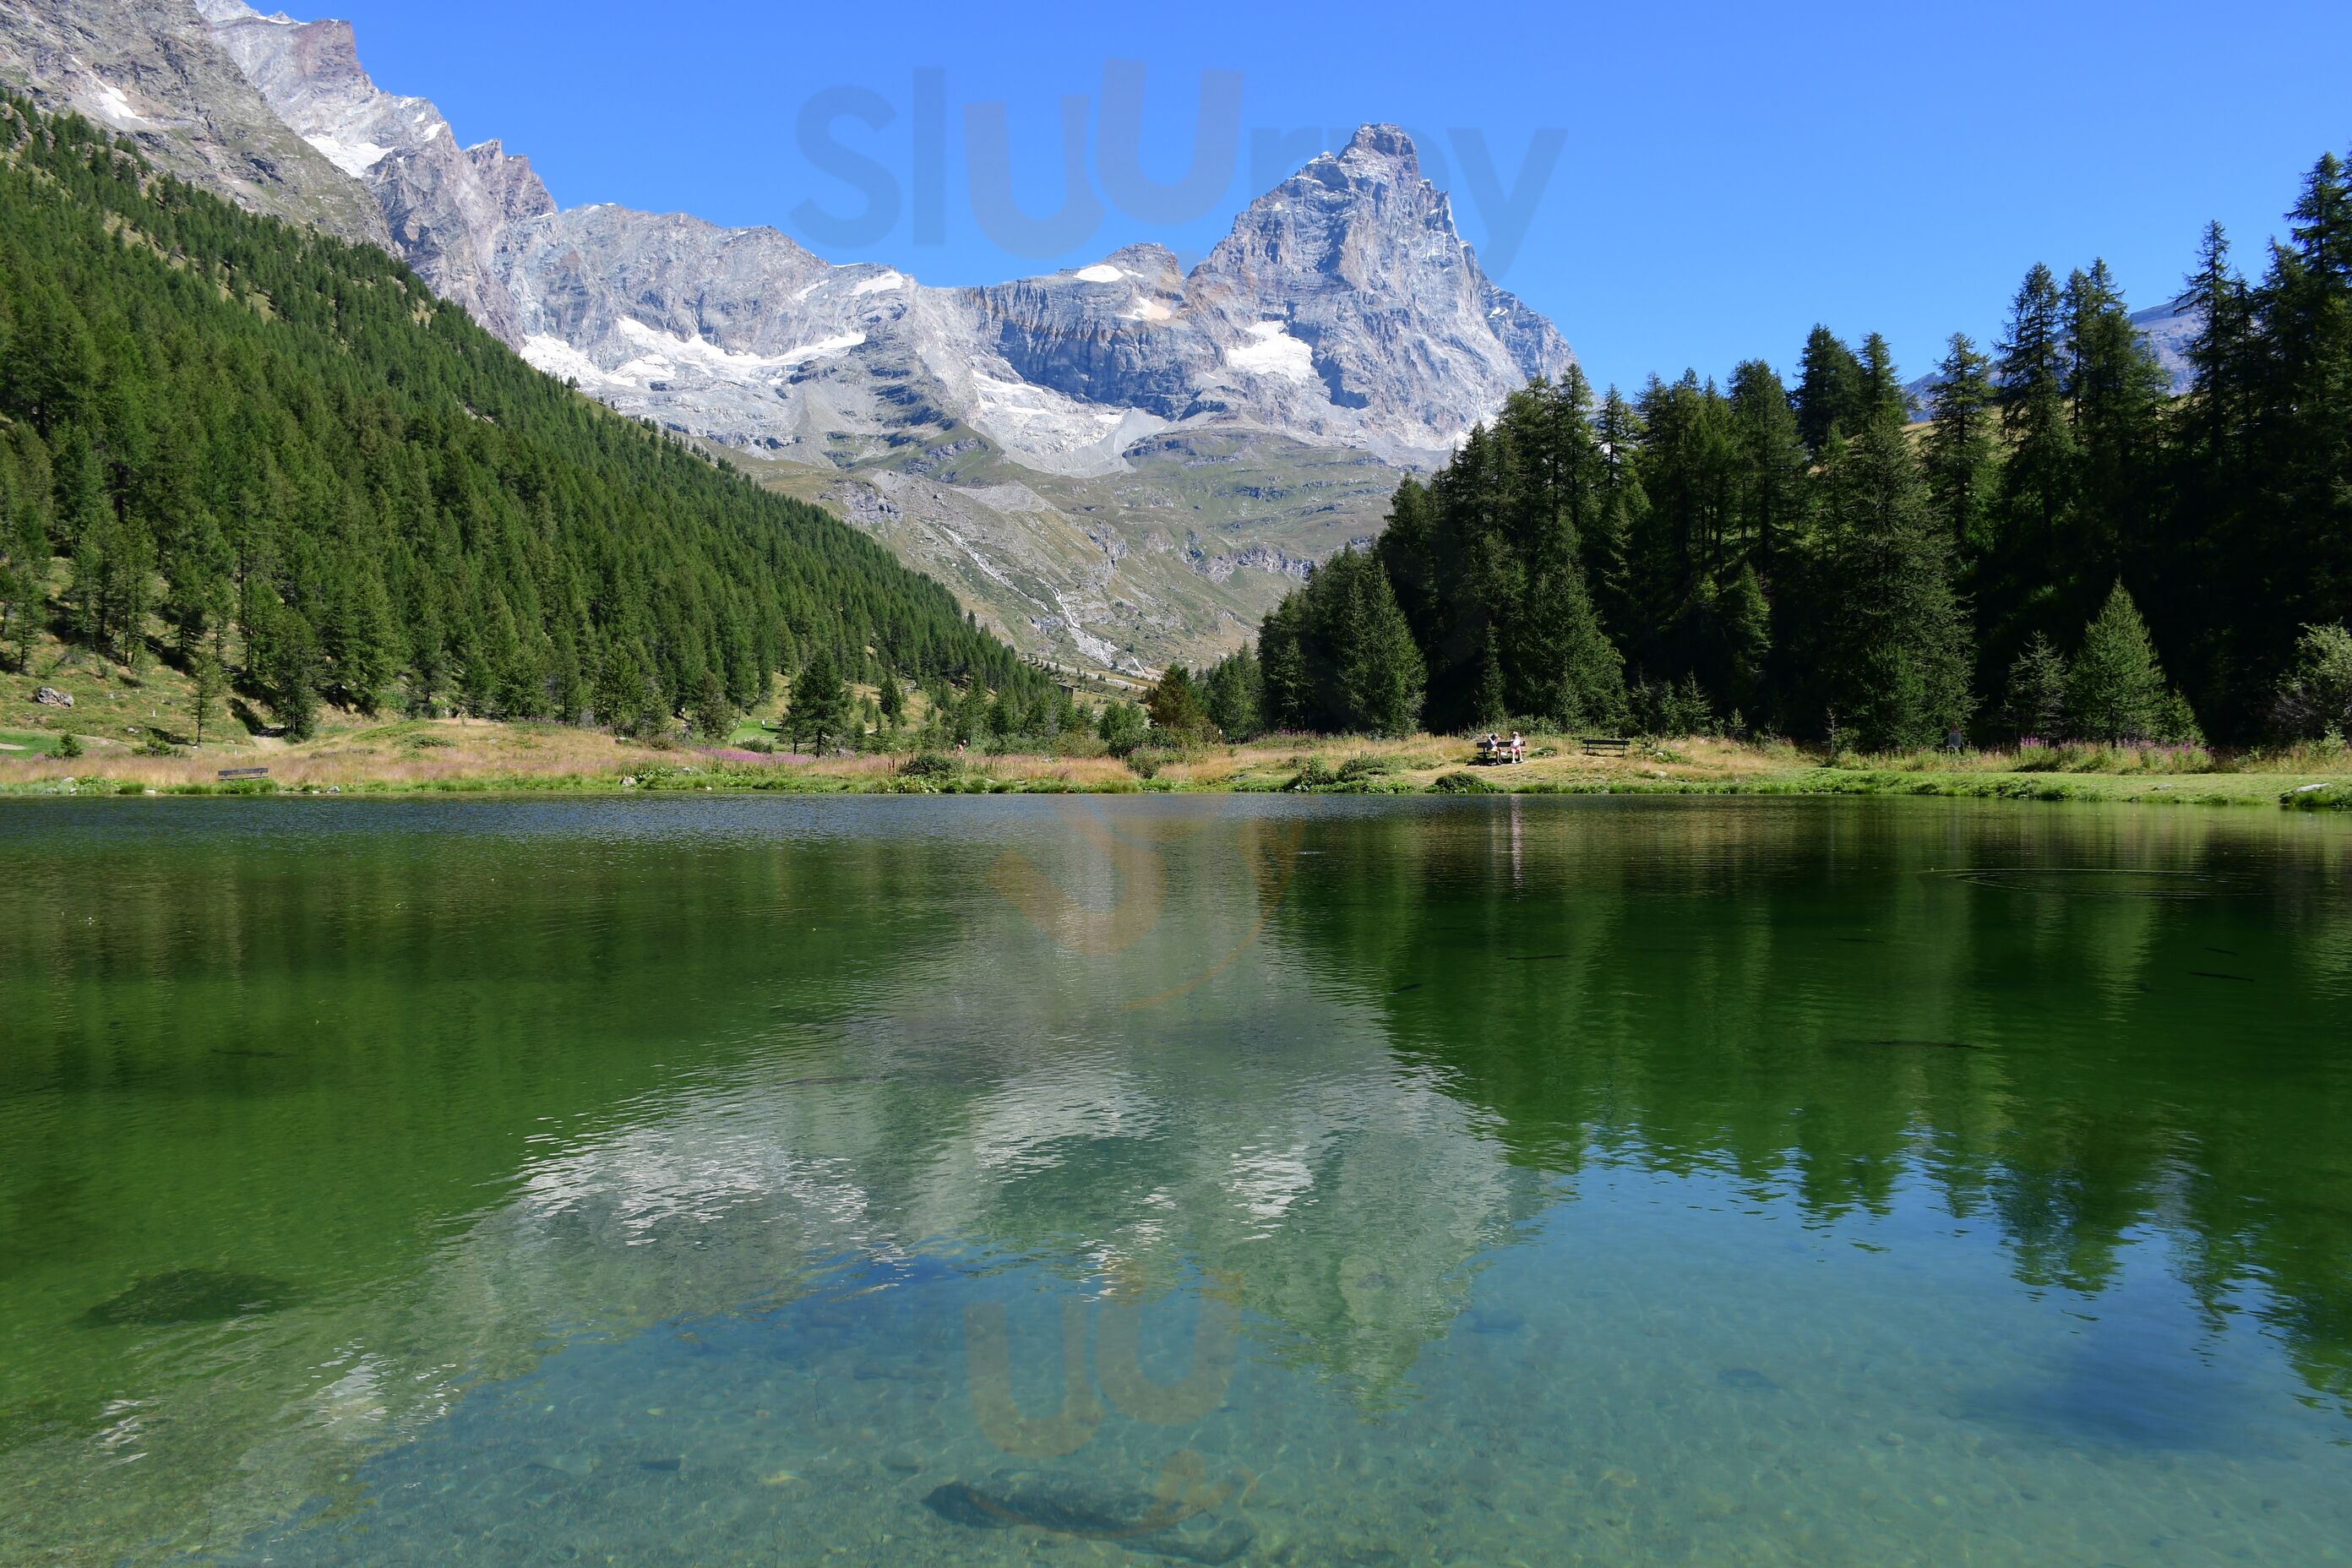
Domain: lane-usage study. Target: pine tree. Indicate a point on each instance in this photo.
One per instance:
(2036, 704)
(819, 708)
(891, 700)
(2114, 389)
(1122, 727)
(206, 686)
(2115, 690)
(1881, 393)
(1829, 395)
(1236, 688)
(1376, 675)
(1739, 621)
(1770, 473)
(2315, 697)
(714, 712)
(1489, 705)
(1567, 670)
(2300, 519)
(2033, 510)
(1175, 705)
(970, 719)
(1898, 656)
(1961, 451)
(20, 611)
(292, 673)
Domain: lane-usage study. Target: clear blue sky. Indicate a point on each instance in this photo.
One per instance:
(1732, 172)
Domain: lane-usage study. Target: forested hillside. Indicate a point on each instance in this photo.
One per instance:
(2063, 550)
(277, 457)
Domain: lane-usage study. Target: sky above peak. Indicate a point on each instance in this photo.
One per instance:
(1675, 188)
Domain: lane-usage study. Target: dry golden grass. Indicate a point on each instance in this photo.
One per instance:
(424, 756)
(417, 754)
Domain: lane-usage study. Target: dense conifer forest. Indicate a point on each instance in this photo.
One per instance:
(2060, 549)
(276, 460)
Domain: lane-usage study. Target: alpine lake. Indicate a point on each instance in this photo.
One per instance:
(1143, 1180)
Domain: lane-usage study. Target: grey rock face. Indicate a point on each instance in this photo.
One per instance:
(445, 208)
(1342, 309)
(2169, 329)
(1407, 342)
(149, 69)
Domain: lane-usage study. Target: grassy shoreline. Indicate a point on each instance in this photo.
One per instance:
(450, 756)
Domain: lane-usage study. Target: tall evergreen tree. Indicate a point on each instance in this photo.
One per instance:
(1175, 705)
(1830, 390)
(819, 706)
(2033, 513)
(1770, 470)
(1236, 695)
(1893, 654)
(2036, 704)
(2114, 689)
(1962, 450)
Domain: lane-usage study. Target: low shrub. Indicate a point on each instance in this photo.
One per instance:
(1367, 766)
(1460, 782)
(1314, 773)
(927, 765)
(1147, 761)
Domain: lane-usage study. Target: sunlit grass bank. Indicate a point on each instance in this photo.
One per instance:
(460, 757)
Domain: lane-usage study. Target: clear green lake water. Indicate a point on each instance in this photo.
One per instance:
(989, 1181)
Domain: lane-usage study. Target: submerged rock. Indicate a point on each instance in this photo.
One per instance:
(1099, 1510)
(191, 1296)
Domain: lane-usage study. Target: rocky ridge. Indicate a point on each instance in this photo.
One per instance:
(153, 72)
(1140, 458)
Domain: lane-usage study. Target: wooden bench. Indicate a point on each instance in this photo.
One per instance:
(245, 773)
(1605, 745)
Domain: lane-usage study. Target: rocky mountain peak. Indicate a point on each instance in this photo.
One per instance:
(1381, 149)
(1357, 257)
(510, 180)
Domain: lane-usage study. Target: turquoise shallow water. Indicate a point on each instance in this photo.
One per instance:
(997, 1180)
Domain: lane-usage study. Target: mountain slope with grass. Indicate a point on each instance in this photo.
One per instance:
(240, 445)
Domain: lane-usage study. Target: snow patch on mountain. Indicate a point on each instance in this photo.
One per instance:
(352, 161)
(112, 106)
(1272, 351)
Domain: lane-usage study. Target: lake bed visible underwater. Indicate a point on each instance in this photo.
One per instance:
(1236, 1179)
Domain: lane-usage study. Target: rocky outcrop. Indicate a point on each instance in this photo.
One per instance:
(152, 71)
(446, 208)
